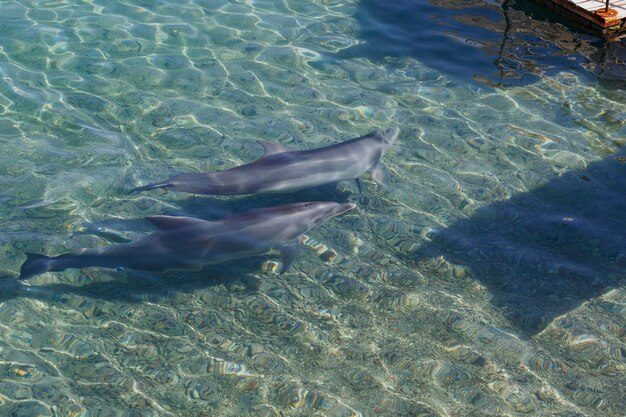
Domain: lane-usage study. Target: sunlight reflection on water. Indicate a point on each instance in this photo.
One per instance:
(414, 305)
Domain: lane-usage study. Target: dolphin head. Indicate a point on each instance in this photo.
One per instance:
(385, 138)
(329, 209)
(315, 212)
(390, 135)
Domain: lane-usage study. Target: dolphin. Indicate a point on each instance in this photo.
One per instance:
(282, 170)
(189, 243)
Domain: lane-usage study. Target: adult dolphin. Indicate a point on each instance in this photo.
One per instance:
(188, 243)
(282, 170)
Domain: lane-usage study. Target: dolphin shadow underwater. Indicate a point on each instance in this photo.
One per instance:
(137, 286)
(544, 252)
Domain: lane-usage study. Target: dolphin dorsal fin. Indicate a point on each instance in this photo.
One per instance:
(272, 148)
(172, 222)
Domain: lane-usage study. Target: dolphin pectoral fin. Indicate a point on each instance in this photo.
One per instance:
(380, 175)
(289, 252)
(359, 184)
(174, 222)
(272, 148)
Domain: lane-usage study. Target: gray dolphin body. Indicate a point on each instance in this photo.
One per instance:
(282, 170)
(188, 243)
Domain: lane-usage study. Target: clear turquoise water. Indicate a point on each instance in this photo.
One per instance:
(486, 278)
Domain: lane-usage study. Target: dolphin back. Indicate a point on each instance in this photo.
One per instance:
(35, 264)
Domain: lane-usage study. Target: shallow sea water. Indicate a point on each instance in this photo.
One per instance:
(485, 279)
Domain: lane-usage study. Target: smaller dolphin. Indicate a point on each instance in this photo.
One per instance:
(282, 170)
(188, 243)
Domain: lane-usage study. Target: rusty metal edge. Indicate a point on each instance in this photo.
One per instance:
(599, 20)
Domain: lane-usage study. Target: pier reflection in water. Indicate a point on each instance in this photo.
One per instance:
(511, 42)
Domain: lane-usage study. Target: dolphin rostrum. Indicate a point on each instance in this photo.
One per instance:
(282, 170)
(188, 243)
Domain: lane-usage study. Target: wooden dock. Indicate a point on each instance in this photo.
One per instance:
(592, 15)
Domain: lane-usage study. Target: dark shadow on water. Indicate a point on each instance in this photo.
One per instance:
(137, 287)
(511, 42)
(212, 208)
(544, 252)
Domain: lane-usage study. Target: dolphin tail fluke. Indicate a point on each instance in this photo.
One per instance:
(35, 264)
(164, 184)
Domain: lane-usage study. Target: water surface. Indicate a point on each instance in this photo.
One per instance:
(486, 278)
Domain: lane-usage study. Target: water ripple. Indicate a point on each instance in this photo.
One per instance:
(483, 276)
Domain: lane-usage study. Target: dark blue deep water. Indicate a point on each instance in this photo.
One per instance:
(499, 43)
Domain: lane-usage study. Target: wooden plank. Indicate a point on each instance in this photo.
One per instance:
(571, 7)
(593, 5)
(589, 13)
